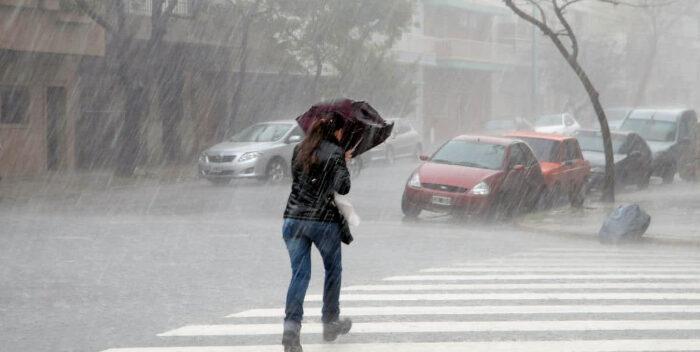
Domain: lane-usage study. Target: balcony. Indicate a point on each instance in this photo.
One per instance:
(461, 52)
(40, 26)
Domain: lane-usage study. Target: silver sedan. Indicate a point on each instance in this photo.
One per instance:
(262, 151)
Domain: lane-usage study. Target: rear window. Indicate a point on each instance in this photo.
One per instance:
(652, 130)
(544, 149)
(593, 142)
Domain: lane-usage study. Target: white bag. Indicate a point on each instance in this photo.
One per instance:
(346, 209)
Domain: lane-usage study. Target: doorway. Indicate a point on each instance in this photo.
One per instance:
(55, 127)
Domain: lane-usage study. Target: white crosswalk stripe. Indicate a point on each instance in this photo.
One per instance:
(553, 293)
(667, 345)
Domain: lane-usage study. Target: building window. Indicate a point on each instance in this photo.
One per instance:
(14, 104)
(143, 7)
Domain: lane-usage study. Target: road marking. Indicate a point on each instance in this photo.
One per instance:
(574, 264)
(442, 327)
(511, 296)
(539, 277)
(484, 269)
(485, 346)
(477, 310)
(644, 256)
(527, 286)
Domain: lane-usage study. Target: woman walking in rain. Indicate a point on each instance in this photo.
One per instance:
(319, 171)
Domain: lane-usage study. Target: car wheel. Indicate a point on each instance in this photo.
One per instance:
(669, 174)
(276, 171)
(577, 196)
(410, 210)
(219, 181)
(390, 155)
(554, 195)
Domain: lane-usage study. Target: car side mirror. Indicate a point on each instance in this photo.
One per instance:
(294, 139)
(518, 167)
(424, 157)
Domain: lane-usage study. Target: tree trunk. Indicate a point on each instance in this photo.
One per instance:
(609, 180)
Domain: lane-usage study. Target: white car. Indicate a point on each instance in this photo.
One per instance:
(404, 141)
(557, 123)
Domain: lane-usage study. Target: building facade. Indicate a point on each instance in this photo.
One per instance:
(39, 57)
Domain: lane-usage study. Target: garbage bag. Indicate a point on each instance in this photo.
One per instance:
(627, 222)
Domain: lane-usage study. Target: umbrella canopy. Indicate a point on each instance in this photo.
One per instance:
(364, 127)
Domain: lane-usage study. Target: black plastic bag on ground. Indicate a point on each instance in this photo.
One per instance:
(626, 223)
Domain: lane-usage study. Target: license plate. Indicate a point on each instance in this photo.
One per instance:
(437, 200)
(216, 168)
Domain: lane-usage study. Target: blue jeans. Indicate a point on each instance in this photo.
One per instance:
(298, 236)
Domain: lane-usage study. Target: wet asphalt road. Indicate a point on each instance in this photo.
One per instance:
(109, 269)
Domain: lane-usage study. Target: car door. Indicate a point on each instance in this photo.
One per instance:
(533, 182)
(515, 172)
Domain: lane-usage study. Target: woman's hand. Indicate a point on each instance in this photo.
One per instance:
(348, 155)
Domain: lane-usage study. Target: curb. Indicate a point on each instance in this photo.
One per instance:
(647, 238)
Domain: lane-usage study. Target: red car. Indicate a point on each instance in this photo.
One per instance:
(564, 169)
(475, 175)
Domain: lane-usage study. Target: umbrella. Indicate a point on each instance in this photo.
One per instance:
(364, 127)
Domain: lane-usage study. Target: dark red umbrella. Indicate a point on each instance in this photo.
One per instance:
(364, 127)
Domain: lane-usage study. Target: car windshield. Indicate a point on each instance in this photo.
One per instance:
(593, 142)
(652, 130)
(264, 132)
(472, 154)
(548, 120)
(544, 149)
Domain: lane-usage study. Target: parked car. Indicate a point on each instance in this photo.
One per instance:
(507, 125)
(405, 141)
(670, 134)
(475, 175)
(616, 116)
(631, 154)
(261, 151)
(564, 169)
(557, 123)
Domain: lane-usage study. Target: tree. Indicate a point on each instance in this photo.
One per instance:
(131, 63)
(550, 18)
(659, 19)
(345, 47)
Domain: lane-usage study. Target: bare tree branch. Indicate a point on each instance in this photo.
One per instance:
(559, 12)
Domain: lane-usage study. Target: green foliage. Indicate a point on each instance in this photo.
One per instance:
(349, 43)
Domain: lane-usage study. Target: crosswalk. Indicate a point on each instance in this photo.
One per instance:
(549, 299)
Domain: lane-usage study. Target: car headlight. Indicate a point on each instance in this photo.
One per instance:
(414, 181)
(249, 156)
(481, 189)
(203, 158)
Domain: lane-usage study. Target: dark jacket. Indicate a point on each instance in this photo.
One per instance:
(312, 193)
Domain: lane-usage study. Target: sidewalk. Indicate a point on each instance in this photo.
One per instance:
(57, 185)
(674, 210)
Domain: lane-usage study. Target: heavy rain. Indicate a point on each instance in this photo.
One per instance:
(443, 175)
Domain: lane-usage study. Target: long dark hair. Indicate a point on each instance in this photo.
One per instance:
(322, 129)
